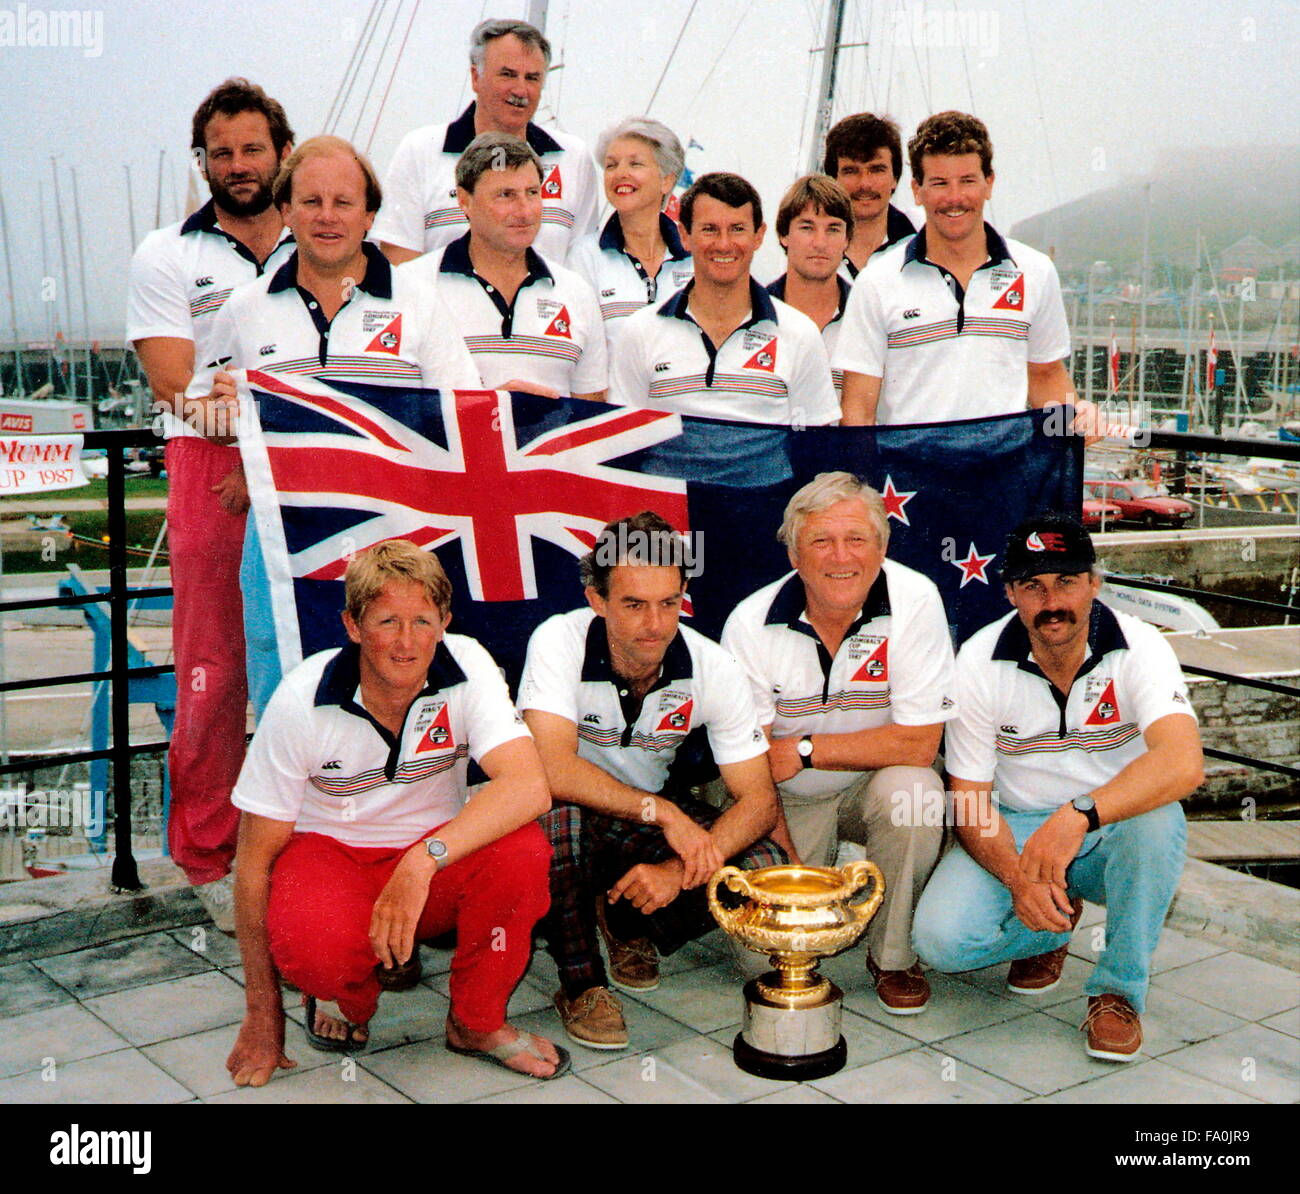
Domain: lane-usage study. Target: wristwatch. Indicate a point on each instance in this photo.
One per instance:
(437, 850)
(1088, 807)
(805, 750)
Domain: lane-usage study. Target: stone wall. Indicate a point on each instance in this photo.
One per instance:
(1247, 721)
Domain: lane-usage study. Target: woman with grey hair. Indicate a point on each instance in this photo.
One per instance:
(638, 256)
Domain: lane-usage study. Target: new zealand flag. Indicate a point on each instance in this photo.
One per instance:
(509, 489)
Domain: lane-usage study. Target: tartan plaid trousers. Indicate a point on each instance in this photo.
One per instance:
(590, 853)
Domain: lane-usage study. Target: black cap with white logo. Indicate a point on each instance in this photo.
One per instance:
(1047, 543)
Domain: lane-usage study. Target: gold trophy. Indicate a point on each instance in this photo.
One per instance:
(797, 915)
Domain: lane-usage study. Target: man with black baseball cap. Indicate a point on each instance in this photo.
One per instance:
(1079, 717)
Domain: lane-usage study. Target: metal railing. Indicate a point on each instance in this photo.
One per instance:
(125, 874)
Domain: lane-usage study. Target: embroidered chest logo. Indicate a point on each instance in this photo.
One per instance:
(433, 728)
(875, 665)
(553, 188)
(765, 357)
(1013, 297)
(560, 326)
(388, 338)
(1105, 711)
(206, 280)
(675, 710)
(266, 350)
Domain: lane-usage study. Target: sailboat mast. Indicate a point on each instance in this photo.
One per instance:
(19, 379)
(67, 286)
(826, 92)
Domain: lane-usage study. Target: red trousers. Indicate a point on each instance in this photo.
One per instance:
(323, 893)
(207, 746)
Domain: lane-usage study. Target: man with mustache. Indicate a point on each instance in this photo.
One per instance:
(956, 322)
(1079, 718)
(508, 64)
(864, 154)
(180, 279)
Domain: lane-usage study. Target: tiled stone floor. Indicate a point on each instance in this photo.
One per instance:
(151, 1020)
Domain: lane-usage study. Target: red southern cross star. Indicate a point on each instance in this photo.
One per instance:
(895, 500)
(972, 567)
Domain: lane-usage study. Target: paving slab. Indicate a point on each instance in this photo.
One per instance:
(696, 1070)
(61, 1034)
(126, 1076)
(1288, 1022)
(1150, 1081)
(647, 1030)
(569, 1090)
(923, 1075)
(993, 979)
(144, 1015)
(198, 1061)
(343, 1081)
(132, 962)
(802, 1094)
(1254, 1061)
(955, 1007)
(209, 943)
(704, 999)
(1234, 983)
(24, 988)
(428, 1072)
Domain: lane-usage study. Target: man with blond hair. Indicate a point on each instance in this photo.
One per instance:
(335, 310)
(851, 667)
(358, 839)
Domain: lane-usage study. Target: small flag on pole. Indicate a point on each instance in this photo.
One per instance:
(1112, 363)
(1211, 363)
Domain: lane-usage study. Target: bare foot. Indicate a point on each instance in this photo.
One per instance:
(331, 1023)
(522, 1062)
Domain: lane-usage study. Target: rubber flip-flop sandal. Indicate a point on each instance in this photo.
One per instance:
(509, 1050)
(329, 1044)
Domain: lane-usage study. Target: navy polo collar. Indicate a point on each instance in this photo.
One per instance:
(378, 281)
(460, 132)
(598, 667)
(897, 226)
(777, 291)
(456, 260)
(342, 676)
(611, 237)
(203, 220)
(1104, 635)
(760, 304)
(998, 251)
(789, 605)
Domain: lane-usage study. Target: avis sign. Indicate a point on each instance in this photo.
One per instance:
(33, 464)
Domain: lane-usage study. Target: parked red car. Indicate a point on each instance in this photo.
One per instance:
(1140, 502)
(1098, 516)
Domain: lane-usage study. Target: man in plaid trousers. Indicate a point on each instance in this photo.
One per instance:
(620, 699)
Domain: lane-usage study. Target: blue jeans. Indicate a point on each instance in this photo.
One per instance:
(965, 921)
(263, 652)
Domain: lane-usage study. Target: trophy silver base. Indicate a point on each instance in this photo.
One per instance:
(794, 1044)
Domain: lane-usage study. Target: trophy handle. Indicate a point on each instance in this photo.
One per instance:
(857, 873)
(735, 879)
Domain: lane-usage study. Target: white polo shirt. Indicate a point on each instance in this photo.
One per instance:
(945, 353)
(831, 332)
(420, 211)
(1039, 748)
(772, 369)
(894, 666)
(392, 330)
(322, 762)
(180, 278)
(620, 281)
(550, 334)
(700, 687)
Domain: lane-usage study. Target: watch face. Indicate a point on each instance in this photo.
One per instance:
(436, 848)
(805, 747)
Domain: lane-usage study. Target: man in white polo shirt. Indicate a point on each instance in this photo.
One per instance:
(815, 225)
(956, 322)
(180, 277)
(529, 323)
(619, 697)
(358, 840)
(851, 667)
(1073, 743)
(508, 63)
(722, 347)
(335, 309)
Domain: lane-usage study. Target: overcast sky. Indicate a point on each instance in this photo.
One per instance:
(1076, 95)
